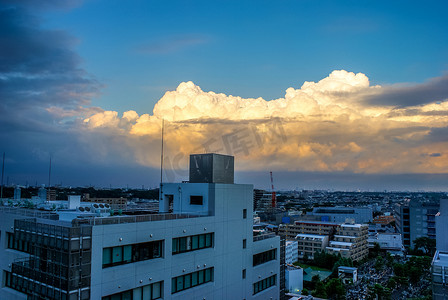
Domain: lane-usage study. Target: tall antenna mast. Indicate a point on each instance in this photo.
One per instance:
(3, 171)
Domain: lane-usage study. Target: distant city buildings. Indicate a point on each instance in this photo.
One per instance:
(339, 214)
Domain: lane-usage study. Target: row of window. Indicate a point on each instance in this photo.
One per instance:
(263, 257)
(148, 292)
(264, 284)
(17, 244)
(187, 281)
(119, 255)
(193, 242)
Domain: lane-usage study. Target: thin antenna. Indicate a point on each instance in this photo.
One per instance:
(161, 155)
(161, 164)
(3, 171)
(49, 174)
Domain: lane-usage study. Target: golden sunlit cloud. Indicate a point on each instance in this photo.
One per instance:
(323, 126)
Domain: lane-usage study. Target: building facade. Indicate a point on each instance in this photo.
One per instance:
(416, 218)
(338, 214)
(204, 249)
(350, 241)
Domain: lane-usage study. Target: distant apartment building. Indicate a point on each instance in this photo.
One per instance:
(416, 218)
(307, 227)
(339, 214)
(115, 203)
(291, 252)
(308, 244)
(350, 241)
(204, 249)
(383, 220)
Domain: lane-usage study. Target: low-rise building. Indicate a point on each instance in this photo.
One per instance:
(348, 274)
(350, 241)
(294, 279)
(308, 244)
(290, 231)
(291, 252)
(387, 241)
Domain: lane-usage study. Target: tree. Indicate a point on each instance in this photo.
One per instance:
(319, 290)
(426, 244)
(305, 258)
(392, 283)
(305, 292)
(379, 264)
(375, 251)
(335, 289)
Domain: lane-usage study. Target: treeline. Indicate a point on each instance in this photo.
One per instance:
(63, 193)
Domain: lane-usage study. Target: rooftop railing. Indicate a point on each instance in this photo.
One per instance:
(264, 236)
(30, 212)
(133, 219)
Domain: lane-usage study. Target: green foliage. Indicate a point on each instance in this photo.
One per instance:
(375, 251)
(305, 292)
(111, 212)
(379, 264)
(392, 283)
(335, 289)
(379, 292)
(413, 270)
(389, 259)
(426, 244)
(305, 258)
(319, 290)
(325, 260)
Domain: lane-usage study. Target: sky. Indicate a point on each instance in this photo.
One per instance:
(338, 95)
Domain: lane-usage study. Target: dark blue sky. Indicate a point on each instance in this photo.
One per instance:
(62, 62)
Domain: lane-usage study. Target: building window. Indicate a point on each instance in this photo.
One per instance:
(188, 281)
(17, 244)
(264, 284)
(244, 273)
(263, 257)
(193, 242)
(244, 213)
(148, 292)
(196, 200)
(244, 244)
(120, 255)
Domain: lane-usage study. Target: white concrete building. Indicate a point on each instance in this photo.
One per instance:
(308, 244)
(294, 279)
(203, 249)
(291, 252)
(387, 241)
(348, 274)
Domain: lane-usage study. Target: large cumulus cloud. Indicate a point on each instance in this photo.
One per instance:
(330, 125)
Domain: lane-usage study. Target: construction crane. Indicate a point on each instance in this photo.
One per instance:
(274, 199)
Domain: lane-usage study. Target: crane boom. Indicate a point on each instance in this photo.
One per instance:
(274, 199)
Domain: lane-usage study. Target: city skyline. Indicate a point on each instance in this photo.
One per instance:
(327, 96)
